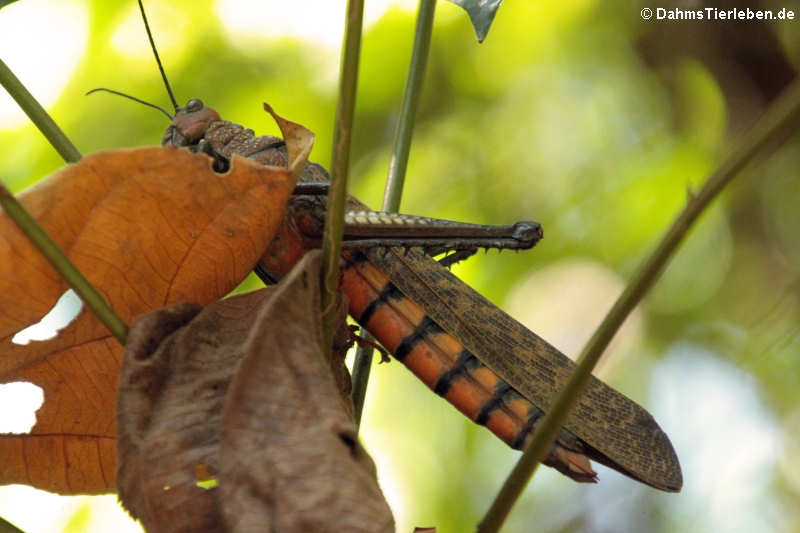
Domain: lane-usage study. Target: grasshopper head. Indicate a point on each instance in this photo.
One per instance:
(189, 124)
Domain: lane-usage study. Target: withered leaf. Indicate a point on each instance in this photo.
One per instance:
(290, 458)
(178, 364)
(283, 451)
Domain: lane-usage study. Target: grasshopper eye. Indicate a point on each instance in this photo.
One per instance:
(193, 105)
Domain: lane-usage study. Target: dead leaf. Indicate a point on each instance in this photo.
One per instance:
(287, 458)
(147, 227)
(290, 458)
(178, 364)
(298, 142)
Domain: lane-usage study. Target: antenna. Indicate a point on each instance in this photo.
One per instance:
(158, 60)
(112, 91)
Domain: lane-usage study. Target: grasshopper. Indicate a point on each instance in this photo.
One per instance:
(467, 350)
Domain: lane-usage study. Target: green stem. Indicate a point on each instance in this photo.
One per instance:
(397, 168)
(8, 527)
(362, 365)
(780, 116)
(38, 115)
(62, 264)
(31, 228)
(405, 126)
(342, 133)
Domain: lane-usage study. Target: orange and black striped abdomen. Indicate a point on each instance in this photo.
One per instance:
(445, 366)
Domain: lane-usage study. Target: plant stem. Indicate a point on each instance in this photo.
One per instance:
(28, 225)
(38, 115)
(774, 122)
(342, 133)
(397, 169)
(8, 527)
(362, 365)
(405, 126)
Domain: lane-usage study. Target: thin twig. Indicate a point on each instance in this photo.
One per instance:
(8, 527)
(342, 132)
(38, 115)
(775, 121)
(31, 228)
(397, 169)
(28, 225)
(362, 365)
(405, 126)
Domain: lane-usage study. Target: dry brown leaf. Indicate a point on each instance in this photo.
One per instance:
(287, 458)
(147, 227)
(290, 459)
(178, 364)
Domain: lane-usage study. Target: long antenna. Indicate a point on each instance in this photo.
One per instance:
(112, 91)
(158, 59)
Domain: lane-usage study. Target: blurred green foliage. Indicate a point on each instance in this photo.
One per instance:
(556, 117)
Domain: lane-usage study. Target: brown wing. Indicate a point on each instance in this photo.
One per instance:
(605, 419)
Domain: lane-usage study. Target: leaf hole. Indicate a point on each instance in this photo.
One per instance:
(26, 398)
(220, 165)
(67, 308)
